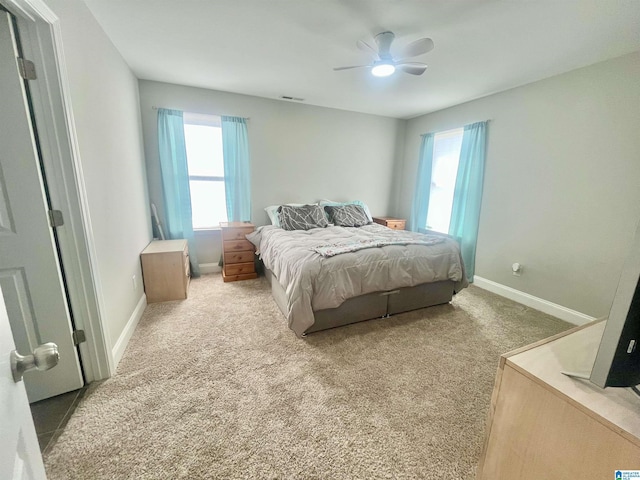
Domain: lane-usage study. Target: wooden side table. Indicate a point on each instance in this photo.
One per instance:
(165, 270)
(391, 222)
(237, 252)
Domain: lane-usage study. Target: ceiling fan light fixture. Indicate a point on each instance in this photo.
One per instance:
(385, 64)
(383, 70)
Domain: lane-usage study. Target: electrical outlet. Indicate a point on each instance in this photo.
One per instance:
(135, 282)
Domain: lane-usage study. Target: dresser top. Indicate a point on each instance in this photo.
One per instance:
(576, 352)
(165, 246)
(236, 225)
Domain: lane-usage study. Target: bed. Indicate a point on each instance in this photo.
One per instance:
(329, 275)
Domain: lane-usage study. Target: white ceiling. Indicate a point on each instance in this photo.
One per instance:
(271, 48)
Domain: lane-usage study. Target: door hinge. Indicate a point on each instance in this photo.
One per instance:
(55, 218)
(27, 69)
(78, 337)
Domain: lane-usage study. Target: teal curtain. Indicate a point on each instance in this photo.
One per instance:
(237, 174)
(467, 197)
(175, 181)
(420, 207)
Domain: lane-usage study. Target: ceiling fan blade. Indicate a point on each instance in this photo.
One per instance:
(412, 68)
(354, 66)
(419, 47)
(365, 47)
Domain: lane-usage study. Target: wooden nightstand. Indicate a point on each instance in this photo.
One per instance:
(237, 252)
(165, 270)
(391, 222)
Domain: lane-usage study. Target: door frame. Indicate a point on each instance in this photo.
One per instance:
(41, 39)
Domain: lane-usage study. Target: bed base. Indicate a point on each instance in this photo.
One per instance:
(371, 305)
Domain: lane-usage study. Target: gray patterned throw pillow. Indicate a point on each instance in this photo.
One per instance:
(347, 215)
(302, 218)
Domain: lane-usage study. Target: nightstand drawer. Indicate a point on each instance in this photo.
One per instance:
(238, 233)
(396, 224)
(237, 246)
(390, 222)
(238, 257)
(235, 278)
(239, 268)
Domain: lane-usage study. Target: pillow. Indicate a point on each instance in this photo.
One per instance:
(272, 212)
(354, 202)
(302, 218)
(347, 215)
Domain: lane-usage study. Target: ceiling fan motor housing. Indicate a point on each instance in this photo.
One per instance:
(384, 39)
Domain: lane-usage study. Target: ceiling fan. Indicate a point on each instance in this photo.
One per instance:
(383, 62)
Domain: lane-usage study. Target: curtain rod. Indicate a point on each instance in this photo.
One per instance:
(199, 113)
(456, 128)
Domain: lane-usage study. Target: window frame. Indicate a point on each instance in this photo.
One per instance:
(206, 120)
(442, 135)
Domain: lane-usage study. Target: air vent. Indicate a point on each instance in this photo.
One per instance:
(293, 99)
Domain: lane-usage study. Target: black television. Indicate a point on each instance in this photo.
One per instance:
(617, 362)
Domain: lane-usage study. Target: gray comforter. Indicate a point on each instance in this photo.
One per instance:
(313, 282)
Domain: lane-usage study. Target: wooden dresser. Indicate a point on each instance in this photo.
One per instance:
(391, 222)
(545, 425)
(165, 270)
(237, 252)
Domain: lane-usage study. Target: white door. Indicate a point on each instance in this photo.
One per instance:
(19, 450)
(30, 274)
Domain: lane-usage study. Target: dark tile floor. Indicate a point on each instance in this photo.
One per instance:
(51, 415)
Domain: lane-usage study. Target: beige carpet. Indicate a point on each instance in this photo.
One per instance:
(218, 387)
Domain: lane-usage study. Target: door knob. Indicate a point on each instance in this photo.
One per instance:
(44, 357)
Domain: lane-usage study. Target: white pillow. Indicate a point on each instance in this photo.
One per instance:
(272, 211)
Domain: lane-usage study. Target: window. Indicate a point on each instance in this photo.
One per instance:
(203, 139)
(446, 156)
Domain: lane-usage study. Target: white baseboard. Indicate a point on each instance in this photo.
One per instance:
(123, 340)
(553, 309)
(209, 268)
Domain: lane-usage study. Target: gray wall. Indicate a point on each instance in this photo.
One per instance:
(104, 96)
(299, 153)
(562, 185)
